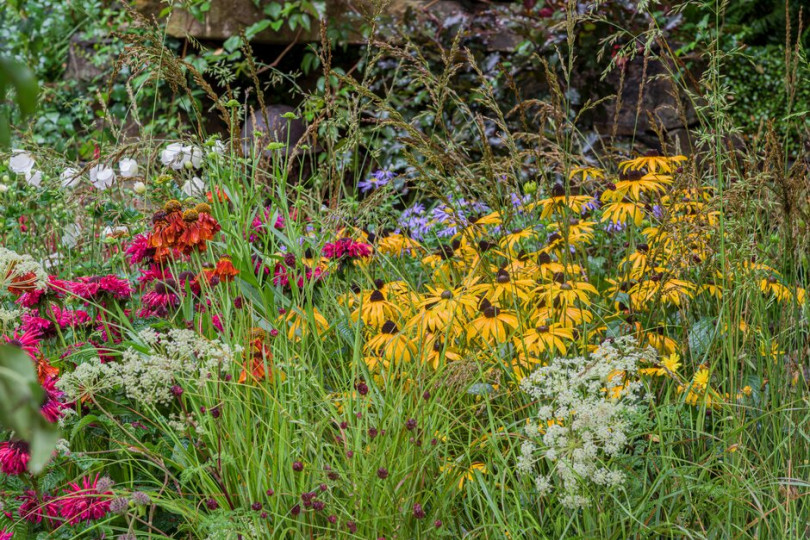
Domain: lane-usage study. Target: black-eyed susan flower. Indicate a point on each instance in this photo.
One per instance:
(551, 338)
(435, 350)
(504, 290)
(300, 322)
(375, 309)
(666, 366)
(493, 325)
(653, 162)
(559, 201)
(635, 185)
(623, 212)
(392, 345)
(566, 292)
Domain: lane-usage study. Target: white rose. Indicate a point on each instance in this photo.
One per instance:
(102, 176)
(193, 187)
(34, 178)
(21, 162)
(70, 178)
(139, 188)
(128, 167)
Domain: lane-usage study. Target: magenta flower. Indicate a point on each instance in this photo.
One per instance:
(85, 502)
(53, 406)
(28, 342)
(4, 535)
(31, 507)
(14, 457)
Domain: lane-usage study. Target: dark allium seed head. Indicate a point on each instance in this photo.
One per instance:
(418, 511)
(203, 409)
(215, 412)
(228, 377)
(382, 473)
(318, 505)
(350, 454)
(333, 476)
(332, 519)
(263, 515)
(426, 395)
(323, 487)
(437, 523)
(434, 442)
(256, 506)
(351, 526)
(344, 425)
(362, 388)
(410, 425)
(238, 302)
(270, 492)
(177, 390)
(211, 504)
(273, 332)
(295, 510)
(297, 466)
(372, 432)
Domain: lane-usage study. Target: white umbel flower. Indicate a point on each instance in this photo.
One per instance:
(586, 408)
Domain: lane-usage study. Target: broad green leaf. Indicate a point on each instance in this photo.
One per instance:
(21, 397)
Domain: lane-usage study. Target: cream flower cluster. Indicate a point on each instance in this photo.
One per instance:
(177, 357)
(15, 266)
(587, 408)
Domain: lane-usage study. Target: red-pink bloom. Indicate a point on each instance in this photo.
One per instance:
(346, 247)
(154, 273)
(161, 297)
(56, 289)
(85, 502)
(92, 287)
(14, 456)
(68, 318)
(116, 287)
(5, 535)
(53, 407)
(139, 250)
(217, 322)
(31, 507)
(33, 324)
(27, 341)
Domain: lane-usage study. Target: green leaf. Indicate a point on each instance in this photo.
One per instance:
(256, 28)
(21, 396)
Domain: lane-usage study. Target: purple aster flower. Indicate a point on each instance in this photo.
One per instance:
(593, 204)
(377, 180)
